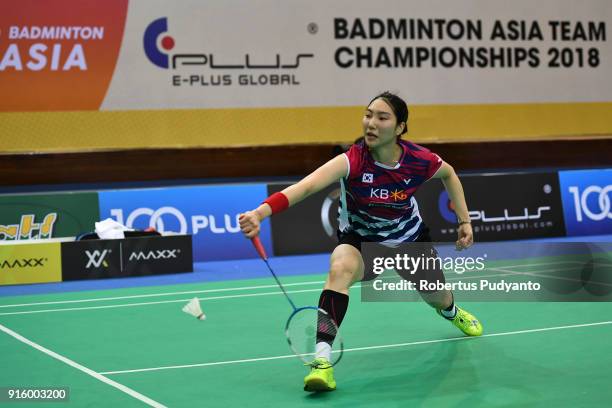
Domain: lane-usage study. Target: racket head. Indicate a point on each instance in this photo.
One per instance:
(301, 333)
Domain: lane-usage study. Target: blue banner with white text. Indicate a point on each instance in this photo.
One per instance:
(209, 213)
(587, 198)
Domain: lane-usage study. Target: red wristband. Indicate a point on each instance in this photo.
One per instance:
(278, 202)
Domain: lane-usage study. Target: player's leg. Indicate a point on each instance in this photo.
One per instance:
(346, 268)
(443, 302)
(439, 300)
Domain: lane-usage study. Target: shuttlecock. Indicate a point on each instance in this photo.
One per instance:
(193, 308)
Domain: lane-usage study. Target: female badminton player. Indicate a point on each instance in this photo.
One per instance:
(378, 177)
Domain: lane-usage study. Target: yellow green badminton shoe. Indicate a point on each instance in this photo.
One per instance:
(321, 377)
(466, 322)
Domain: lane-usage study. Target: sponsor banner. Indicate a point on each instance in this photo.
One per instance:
(476, 52)
(308, 227)
(209, 213)
(43, 216)
(472, 68)
(155, 255)
(187, 56)
(91, 260)
(587, 198)
(58, 55)
(492, 271)
(502, 207)
(30, 263)
(99, 259)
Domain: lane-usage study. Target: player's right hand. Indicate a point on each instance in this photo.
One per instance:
(249, 224)
(465, 237)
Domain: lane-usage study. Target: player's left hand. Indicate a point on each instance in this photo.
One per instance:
(465, 237)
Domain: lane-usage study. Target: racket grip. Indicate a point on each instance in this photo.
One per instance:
(259, 247)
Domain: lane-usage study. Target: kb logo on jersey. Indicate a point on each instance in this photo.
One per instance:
(367, 178)
(395, 195)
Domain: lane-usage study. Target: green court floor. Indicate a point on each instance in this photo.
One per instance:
(135, 347)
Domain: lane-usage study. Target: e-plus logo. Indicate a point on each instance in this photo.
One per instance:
(155, 37)
(151, 35)
(447, 208)
(447, 211)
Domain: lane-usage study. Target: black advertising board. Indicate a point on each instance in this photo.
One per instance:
(308, 227)
(95, 259)
(502, 207)
(99, 259)
(157, 255)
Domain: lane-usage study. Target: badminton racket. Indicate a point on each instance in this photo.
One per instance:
(304, 322)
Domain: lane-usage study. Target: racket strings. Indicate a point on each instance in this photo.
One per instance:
(309, 326)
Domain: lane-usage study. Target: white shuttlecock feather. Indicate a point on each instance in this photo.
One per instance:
(193, 308)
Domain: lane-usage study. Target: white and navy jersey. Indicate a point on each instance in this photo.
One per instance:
(377, 201)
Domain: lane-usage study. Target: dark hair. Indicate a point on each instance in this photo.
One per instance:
(397, 104)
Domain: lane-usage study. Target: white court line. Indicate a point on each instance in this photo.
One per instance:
(594, 263)
(552, 276)
(190, 292)
(84, 369)
(69, 309)
(214, 290)
(384, 346)
(156, 303)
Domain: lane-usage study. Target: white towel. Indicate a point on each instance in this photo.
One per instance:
(110, 229)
